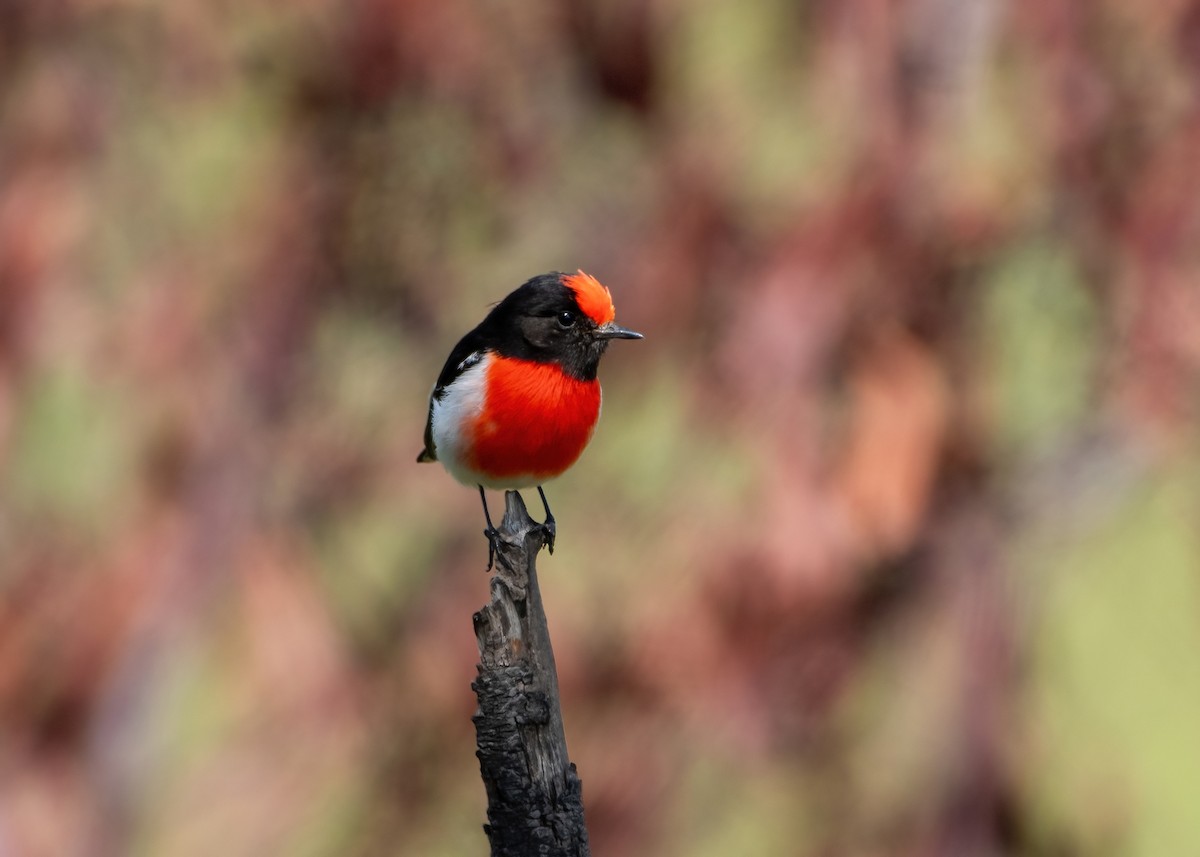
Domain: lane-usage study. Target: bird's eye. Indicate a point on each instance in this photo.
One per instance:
(566, 319)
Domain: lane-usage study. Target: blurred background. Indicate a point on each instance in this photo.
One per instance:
(887, 540)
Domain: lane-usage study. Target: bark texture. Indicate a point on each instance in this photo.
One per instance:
(535, 803)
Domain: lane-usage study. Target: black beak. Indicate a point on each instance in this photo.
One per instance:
(615, 331)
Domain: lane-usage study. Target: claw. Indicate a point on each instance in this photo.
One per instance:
(492, 536)
(491, 533)
(548, 527)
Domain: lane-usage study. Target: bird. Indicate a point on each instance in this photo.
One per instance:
(518, 398)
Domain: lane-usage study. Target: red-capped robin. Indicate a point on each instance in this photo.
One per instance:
(518, 398)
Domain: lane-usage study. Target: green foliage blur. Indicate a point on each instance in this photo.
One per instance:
(887, 540)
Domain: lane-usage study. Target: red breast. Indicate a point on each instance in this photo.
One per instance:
(535, 420)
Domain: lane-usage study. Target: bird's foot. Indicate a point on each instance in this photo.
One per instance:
(549, 529)
(493, 537)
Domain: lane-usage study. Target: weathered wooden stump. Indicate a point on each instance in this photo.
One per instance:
(535, 803)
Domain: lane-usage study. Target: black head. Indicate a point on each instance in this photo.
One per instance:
(556, 318)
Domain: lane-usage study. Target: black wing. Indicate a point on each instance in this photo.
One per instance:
(467, 353)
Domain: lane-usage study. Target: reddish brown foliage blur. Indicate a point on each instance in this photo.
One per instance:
(235, 244)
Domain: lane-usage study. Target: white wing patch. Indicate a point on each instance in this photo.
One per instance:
(470, 360)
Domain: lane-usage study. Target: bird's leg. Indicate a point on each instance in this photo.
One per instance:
(492, 534)
(548, 526)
